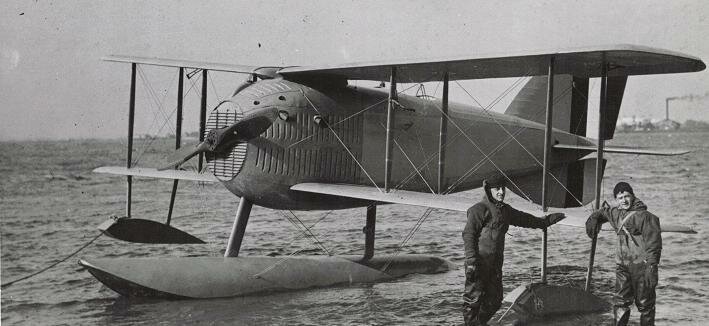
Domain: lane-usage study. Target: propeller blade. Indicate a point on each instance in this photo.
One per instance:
(223, 139)
(183, 154)
(250, 128)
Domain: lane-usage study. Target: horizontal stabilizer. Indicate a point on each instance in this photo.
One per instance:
(154, 173)
(626, 150)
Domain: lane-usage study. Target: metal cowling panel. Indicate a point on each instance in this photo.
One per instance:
(225, 166)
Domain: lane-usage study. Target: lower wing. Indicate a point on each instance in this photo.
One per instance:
(575, 217)
(154, 173)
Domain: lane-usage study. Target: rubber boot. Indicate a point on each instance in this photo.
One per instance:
(647, 318)
(621, 315)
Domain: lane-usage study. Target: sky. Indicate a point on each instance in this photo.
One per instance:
(54, 85)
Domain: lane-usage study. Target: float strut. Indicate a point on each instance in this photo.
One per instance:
(599, 163)
(239, 228)
(178, 138)
(131, 122)
(547, 158)
(369, 231)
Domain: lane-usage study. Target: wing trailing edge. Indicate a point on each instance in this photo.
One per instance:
(154, 173)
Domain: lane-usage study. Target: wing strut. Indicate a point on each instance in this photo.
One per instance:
(178, 136)
(202, 116)
(443, 135)
(390, 129)
(599, 163)
(547, 154)
(131, 123)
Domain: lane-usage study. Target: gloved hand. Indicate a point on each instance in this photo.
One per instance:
(553, 218)
(471, 267)
(651, 275)
(592, 226)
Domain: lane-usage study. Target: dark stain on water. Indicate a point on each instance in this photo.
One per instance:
(43, 219)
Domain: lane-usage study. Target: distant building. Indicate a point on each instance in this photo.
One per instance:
(667, 125)
(633, 124)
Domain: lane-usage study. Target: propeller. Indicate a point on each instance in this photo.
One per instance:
(223, 139)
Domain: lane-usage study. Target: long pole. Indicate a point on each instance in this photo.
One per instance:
(547, 158)
(443, 135)
(599, 163)
(131, 122)
(390, 130)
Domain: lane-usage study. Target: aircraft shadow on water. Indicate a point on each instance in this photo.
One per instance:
(302, 138)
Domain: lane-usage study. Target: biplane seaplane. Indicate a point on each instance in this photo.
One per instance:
(302, 138)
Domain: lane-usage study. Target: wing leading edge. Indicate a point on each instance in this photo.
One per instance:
(624, 60)
(576, 217)
(261, 71)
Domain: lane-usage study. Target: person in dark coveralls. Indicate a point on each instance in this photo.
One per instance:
(637, 254)
(484, 240)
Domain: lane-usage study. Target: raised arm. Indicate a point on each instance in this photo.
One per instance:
(595, 220)
(526, 220)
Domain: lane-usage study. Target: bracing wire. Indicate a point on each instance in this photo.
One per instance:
(558, 98)
(343, 144)
(298, 237)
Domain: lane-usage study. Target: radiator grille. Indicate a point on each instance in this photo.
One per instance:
(225, 166)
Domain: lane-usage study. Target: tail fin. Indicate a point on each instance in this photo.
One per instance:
(573, 184)
(570, 103)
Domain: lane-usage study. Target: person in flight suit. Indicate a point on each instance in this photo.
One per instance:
(637, 253)
(484, 240)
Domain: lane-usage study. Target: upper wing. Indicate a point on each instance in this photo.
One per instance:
(261, 71)
(575, 217)
(624, 60)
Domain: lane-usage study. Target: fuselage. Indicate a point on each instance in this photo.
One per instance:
(336, 134)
